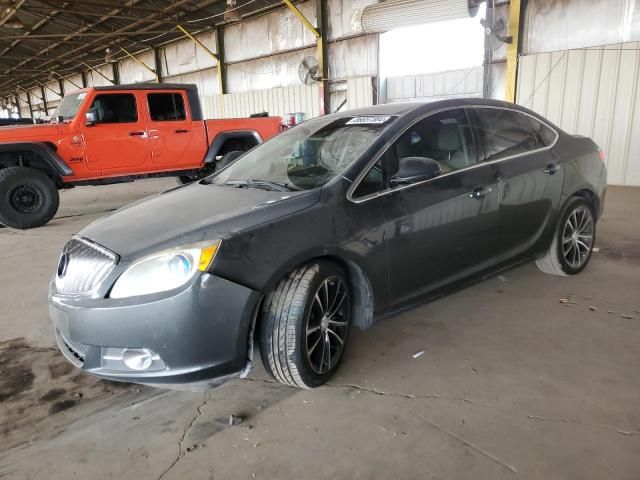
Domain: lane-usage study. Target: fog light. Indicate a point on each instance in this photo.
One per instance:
(137, 359)
(127, 359)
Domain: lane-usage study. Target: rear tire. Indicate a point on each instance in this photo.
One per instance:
(28, 198)
(305, 325)
(572, 242)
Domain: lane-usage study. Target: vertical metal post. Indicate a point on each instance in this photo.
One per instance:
(158, 64)
(115, 74)
(488, 53)
(83, 76)
(323, 55)
(61, 87)
(29, 102)
(17, 104)
(44, 101)
(222, 67)
(513, 50)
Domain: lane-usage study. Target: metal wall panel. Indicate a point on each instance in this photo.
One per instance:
(353, 57)
(392, 14)
(185, 56)
(69, 86)
(465, 82)
(132, 72)
(345, 17)
(276, 101)
(206, 80)
(593, 92)
(554, 25)
(359, 92)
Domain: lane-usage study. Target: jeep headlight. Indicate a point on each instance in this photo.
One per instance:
(164, 270)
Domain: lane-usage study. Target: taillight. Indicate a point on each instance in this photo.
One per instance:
(601, 154)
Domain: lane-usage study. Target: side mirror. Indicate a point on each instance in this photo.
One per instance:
(91, 118)
(415, 169)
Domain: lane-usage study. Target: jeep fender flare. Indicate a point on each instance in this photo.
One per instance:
(41, 150)
(250, 136)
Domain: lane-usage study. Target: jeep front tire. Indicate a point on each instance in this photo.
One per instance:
(28, 198)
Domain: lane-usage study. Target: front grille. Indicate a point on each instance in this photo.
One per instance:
(76, 352)
(83, 266)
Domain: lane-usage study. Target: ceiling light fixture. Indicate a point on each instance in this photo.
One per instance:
(231, 13)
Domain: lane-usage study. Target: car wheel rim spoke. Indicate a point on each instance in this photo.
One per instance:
(327, 325)
(577, 237)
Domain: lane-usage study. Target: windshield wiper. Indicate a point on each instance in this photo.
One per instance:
(278, 187)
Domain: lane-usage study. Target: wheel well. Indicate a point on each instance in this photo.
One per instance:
(363, 297)
(32, 160)
(237, 144)
(590, 198)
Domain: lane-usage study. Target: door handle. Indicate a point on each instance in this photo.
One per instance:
(551, 169)
(480, 192)
(136, 134)
(181, 131)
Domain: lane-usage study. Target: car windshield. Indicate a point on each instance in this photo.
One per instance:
(69, 106)
(304, 157)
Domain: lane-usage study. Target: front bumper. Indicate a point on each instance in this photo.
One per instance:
(200, 333)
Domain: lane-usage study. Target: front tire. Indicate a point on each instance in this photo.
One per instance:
(28, 198)
(305, 325)
(573, 240)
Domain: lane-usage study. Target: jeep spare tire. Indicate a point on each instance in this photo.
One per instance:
(28, 198)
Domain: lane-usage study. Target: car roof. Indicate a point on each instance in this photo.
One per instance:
(150, 86)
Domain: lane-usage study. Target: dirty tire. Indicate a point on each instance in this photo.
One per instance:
(229, 157)
(554, 261)
(287, 317)
(28, 198)
(185, 179)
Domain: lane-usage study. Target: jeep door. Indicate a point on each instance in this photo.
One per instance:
(117, 141)
(176, 141)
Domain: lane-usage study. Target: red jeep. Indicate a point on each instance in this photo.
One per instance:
(104, 135)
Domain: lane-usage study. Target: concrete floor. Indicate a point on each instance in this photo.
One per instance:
(512, 382)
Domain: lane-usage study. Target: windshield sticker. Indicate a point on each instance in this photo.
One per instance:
(369, 120)
(82, 95)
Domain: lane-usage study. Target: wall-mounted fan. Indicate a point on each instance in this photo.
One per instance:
(309, 70)
(497, 31)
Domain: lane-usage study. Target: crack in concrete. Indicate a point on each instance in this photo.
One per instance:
(580, 422)
(181, 450)
(28, 347)
(402, 395)
(469, 444)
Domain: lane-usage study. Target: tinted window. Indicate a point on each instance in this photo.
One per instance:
(545, 135)
(115, 108)
(374, 181)
(166, 107)
(445, 137)
(506, 133)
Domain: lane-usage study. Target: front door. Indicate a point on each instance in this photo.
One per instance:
(529, 175)
(117, 141)
(440, 230)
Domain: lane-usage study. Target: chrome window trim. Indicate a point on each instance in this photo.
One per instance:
(388, 145)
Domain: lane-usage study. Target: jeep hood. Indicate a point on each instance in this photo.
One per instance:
(190, 214)
(42, 132)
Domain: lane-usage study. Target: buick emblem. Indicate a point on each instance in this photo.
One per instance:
(63, 264)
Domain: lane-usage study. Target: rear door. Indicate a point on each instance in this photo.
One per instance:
(171, 130)
(117, 142)
(529, 174)
(440, 230)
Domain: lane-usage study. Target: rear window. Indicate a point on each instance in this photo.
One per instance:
(506, 133)
(166, 107)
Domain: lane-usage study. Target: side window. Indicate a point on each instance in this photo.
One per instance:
(545, 135)
(165, 107)
(374, 181)
(115, 108)
(445, 137)
(506, 133)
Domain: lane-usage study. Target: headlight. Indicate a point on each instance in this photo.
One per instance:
(164, 270)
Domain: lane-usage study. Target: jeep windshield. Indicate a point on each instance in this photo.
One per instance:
(304, 157)
(69, 107)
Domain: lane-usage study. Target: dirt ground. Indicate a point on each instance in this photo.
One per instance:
(513, 383)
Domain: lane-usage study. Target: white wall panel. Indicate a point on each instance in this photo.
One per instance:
(359, 92)
(465, 82)
(353, 57)
(69, 86)
(276, 101)
(96, 80)
(345, 17)
(132, 72)
(206, 81)
(275, 32)
(593, 92)
(185, 56)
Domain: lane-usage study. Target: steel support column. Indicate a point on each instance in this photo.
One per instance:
(513, 50)
(222, 67)
(158, 63)
(115, 73)
(321, 53)
(44, 101)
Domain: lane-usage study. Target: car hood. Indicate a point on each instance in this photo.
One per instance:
(11, 133)
(190, 214)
